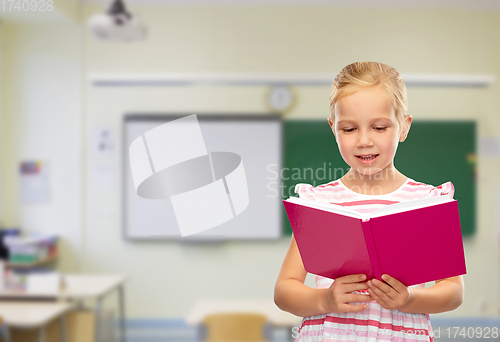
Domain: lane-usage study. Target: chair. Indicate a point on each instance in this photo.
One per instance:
(236, 327)
(4, 329)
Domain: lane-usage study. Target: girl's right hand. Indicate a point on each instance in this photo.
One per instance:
(339, 294)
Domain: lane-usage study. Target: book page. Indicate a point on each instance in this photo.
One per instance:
(388, 210)
(334, 208)
(410, 205)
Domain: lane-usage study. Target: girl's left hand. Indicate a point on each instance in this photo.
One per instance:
(388, 297)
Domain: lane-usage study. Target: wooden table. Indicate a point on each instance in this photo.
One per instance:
(29, 315)
(78, 287)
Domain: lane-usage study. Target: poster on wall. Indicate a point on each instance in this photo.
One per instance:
(34, 181)
(101, 163)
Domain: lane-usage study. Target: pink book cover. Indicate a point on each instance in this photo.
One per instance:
(414, 246)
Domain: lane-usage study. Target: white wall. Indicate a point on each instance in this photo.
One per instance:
(43, 122)
(167, 278)
(2, 118)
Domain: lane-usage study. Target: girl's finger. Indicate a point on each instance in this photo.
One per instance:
(353, 307)
(380, 289)
(386, 289)
(358, 298)
(356, 286)
(352, 278)
(396, 284)
(378, 299)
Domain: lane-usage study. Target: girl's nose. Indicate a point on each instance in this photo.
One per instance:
(364, 139)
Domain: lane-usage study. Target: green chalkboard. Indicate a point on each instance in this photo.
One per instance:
(434, 152)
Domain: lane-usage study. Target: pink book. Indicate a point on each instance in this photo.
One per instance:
(414, 241)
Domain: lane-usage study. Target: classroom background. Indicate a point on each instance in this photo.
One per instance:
(52, 109)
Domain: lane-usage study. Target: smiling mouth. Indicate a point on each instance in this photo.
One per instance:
(367, 156)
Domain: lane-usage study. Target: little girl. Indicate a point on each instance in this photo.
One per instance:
(368, 106)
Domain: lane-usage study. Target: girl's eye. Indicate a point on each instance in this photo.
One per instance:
(380, 129)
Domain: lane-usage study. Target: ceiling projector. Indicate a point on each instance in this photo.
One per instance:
(117, 25)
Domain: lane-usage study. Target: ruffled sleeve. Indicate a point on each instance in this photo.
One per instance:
(305, 191)
(445, 189)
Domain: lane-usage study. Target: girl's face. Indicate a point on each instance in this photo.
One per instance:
(367, 131)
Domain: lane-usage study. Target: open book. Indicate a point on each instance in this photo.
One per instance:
(414, 241)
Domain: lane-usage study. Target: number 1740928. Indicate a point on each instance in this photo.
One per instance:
(472, 332)
(26, 5)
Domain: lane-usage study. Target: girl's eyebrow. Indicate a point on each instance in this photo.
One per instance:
(351, 121)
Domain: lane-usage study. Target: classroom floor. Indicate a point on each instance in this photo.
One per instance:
(179, 334)
(485, 329)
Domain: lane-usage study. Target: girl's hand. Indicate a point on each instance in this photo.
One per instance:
(390, 297)
(339, 294)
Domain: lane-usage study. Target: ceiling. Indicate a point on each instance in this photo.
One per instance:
(55, 16)
(444, 4)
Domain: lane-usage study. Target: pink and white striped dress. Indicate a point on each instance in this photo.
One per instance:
(374, 323)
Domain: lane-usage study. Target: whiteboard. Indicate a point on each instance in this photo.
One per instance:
(257, 139)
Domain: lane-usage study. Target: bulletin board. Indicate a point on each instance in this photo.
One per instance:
(433, 153)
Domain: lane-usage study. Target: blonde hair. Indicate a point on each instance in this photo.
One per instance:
(359, 75)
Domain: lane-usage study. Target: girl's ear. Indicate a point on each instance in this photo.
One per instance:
(404, 134)
(403, 137)
(331, 126)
